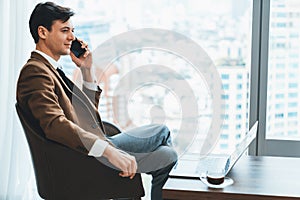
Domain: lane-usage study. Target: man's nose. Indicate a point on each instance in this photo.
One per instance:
(72, 36)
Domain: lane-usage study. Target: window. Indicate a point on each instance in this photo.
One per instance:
(225, 86)
(292, 104)
(239, 96)
(284, 15)
(239, 76)
(225, 76)
(212, 25)
(293, 85)
(238, 116)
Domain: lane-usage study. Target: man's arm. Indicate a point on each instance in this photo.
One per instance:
(120, 159)
(36, 91)
(84, 63)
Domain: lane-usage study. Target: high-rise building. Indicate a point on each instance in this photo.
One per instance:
(283, 106)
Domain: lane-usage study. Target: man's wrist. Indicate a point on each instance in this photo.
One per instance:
(98, 148)
(87, 75)
(91, 85)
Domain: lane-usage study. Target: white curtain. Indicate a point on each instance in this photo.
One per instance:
(16, 171)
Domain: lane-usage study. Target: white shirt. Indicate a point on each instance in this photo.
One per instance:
(99, 145)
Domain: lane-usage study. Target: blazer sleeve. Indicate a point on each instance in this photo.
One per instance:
(38, 93)
(93, 95)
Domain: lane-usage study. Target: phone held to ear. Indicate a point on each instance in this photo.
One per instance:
(76, 48)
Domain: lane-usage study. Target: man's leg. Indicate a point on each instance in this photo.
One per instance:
(159, 179)
(157, 163)
(152, 147)
(143, 139)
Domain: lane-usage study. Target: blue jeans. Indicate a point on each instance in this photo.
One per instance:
(151, 145)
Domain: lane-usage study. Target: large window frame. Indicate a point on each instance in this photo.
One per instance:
(258, 90)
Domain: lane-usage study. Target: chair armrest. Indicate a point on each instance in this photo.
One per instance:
(110, 128)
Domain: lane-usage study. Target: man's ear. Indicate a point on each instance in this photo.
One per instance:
(42, 32)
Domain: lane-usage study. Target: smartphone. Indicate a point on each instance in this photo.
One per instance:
(76, 48)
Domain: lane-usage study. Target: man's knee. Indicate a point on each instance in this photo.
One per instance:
(168, 154)
(165, 128)
(163, 158)
(173, 155)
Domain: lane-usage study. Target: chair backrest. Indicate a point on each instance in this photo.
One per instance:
(36, 141)
(62, 173)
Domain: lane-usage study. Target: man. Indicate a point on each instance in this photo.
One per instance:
(70, 116)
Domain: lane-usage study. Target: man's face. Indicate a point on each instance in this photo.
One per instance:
(60, 38)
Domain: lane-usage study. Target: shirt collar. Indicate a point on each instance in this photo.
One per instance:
(52, 62)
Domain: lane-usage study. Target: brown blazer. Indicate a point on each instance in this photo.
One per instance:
(69, 117)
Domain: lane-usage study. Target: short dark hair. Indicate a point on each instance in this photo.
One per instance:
(44, 14)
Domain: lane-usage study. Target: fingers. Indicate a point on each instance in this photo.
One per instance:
(130, 167)
(86, 53)
(83, 44)
(73, 57)
(76, 60)
(130, 175)
(122, 160)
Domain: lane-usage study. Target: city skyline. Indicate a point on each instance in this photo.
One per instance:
(229, 50)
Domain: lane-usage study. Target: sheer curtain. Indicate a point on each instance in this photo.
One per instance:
(16, 171)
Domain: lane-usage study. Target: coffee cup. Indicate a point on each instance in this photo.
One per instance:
(215, 177)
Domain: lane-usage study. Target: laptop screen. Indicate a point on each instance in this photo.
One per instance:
(242, 146)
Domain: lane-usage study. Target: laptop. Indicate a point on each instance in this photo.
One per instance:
(194, 168)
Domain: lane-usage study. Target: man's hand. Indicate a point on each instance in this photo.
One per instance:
(85, 60)
(122, 160)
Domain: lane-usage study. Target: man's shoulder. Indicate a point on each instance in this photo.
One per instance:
(35, 68)
(33, 65)
(36, 59)
(36, 62)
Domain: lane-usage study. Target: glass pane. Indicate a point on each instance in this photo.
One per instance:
(283, 71)
(221, 27)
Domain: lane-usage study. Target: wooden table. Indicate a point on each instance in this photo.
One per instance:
(255, 178)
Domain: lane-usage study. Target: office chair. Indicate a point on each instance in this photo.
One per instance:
(63, 173)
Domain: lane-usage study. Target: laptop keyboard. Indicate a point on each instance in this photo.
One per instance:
(217, 163)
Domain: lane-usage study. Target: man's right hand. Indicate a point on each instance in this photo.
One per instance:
(122, 160)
